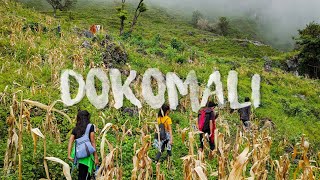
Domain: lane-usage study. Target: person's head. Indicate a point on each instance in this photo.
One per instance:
(83, 119)
(247, 99)
(164, 110)
(211, 104)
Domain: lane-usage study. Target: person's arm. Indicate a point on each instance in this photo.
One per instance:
(212, 123)
(71, 139)
(93, 142)
(170, 131)
(199, 114)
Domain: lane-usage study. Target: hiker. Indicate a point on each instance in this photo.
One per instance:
(93, 29)
(98, 27)
(87, 164)
(245, 114)
(59, 30)
(207, 124)
(165, 132)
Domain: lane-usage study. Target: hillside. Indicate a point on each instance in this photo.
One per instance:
(31, 62)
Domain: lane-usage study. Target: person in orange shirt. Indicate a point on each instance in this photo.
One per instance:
(166, 140)
(93, 29)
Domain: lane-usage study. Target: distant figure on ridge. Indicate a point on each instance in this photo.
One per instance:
(59, 30)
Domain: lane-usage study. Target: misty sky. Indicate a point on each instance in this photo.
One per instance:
(282, 17)
(279, 19)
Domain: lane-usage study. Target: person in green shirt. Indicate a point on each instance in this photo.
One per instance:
(87, 164)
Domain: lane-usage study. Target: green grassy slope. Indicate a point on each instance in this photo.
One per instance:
(32, 62)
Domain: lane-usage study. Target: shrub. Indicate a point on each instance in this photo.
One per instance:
(126, 35)
(156, 40)
(196, 16)
(157, 51)
(170, 53)
(203, 24)
(180, 59)
(223, 25)
(137, 40)
(175, 44)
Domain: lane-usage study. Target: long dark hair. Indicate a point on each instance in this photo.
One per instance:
(83, 119)
(163, 110)
(211, 104)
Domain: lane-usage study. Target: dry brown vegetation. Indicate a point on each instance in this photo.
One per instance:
(245, 156)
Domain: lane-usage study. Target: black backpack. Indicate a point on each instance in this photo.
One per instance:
(162, 132)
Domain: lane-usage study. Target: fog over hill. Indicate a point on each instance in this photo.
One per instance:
(279, 19)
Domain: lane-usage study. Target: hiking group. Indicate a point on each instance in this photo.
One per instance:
(82, 146)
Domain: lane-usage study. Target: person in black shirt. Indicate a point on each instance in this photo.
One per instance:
(209, 125)
(74, 132)
(86, 165)
(245, 114)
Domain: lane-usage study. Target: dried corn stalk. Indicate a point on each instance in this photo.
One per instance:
(260, 156)
(200, 173)
(20, 127)
(282, 168)
(183, 133)
(66, 167)
(142, 169)
(239, 165)
(26, 115)
(49, 124)
(103, 140)
(108, 170)
(12, 144)
(193, 168)
(222, 150)
(4, 93)
(304, 163)
(160, 176)
(45, 107)
(37, 132)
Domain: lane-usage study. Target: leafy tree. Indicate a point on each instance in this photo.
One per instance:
(309, 45)
(312, 30)
(62, 5)
(196, 16)
(223, 25)
(123, 15)
(140, 9)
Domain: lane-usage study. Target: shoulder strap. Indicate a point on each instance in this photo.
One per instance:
(161, 120)
(88, 129)
(166, 120)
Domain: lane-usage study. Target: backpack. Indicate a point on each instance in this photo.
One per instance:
(162, 132)
(83, 146)
(203, 118)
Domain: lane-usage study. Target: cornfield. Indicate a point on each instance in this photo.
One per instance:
(244, 155)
